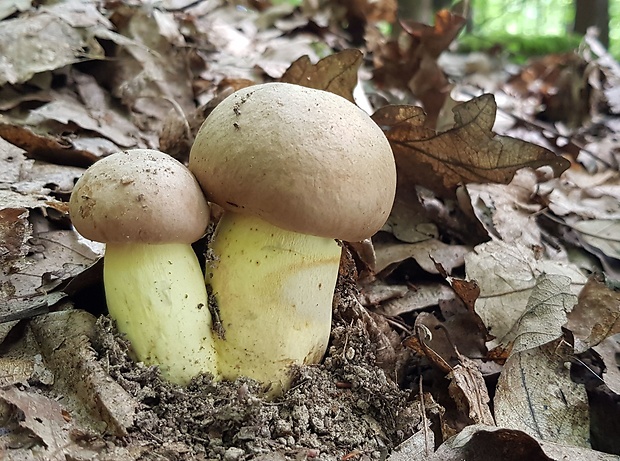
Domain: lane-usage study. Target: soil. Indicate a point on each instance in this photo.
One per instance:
(347, 407)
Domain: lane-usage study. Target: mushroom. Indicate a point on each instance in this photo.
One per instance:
(148, 209)
(294, 169)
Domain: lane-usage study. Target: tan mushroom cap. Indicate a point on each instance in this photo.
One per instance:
(139, 195)
(302, 159)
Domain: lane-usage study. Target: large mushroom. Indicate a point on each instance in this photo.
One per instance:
(148, 209)
(294, 169)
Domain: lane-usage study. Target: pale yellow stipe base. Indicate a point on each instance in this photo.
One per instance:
(157, 297)
(274, 291)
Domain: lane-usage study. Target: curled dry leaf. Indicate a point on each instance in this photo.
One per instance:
(336, 73)
(596, 315)
(469, 391)
(487, 442)
(469, 152)
(414, 66)
(43, 146)
(425, 253)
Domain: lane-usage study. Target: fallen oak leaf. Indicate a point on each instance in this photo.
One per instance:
(336, 73)
(469, 152)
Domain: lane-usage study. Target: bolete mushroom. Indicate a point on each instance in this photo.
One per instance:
(148, 209)
(294, 169)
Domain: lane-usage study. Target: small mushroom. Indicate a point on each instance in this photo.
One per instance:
(294, 169)
(148, 209)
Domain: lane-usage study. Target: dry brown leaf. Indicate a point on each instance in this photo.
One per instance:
(445, 342)
(478, 442)
(45, 419)
(536, 395)
(424, 253)
(414, 66)
(596, 315)
(469, 152)
(65, 339)
(336, 73)
(47, 41)
(418, 297)
(508, 211)
(50, 148)
(469, 391)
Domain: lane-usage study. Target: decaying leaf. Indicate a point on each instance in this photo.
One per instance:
(541, 322)
(469, 391)
(536, 395)
(408, 220)
(507, 274)
(412, 63)
(507, 211)
(47, 147)
(65, 340)
(49, 42)
(602, 234)
(411, 299)
(609, 350)
(489, 443)
(596, 315)
(589, 196)
(424, 253)
(469, 152)
(336, 73)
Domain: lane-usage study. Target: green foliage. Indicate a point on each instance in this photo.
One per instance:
(519, 47)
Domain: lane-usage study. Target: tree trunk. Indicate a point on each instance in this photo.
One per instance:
(590, 13)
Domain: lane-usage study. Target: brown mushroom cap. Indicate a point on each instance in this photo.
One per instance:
(139, 195)
(302, 159)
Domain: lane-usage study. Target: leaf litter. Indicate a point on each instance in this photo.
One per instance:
(491, 239)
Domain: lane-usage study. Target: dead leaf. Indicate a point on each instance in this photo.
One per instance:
(469, 152)
(49, 42)
(589, 196)
(544, 315)
(336, 73)
(507, 274)
(415, 298)
(596, 315)
(43, 146)
(47, 257)
(479, 442)
(408, 220)
(424, 253)
(43, 417)
(609, 350)
(536, 395)
(445, 342)
(411, 62)
(509, 211)
(469, 391)
(601, 234)
(66, 109)
(65, 340)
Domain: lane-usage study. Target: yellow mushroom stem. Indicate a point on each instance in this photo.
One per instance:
(156, 295)
(274, 291)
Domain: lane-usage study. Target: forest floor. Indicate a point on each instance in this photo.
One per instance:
(480, 323)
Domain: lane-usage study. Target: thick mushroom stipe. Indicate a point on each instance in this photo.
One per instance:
(148, 209)
(294, 168)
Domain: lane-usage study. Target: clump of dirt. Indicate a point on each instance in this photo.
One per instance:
(347, 405)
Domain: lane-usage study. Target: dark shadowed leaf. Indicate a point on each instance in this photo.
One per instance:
(336, 73)
(469, 152)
